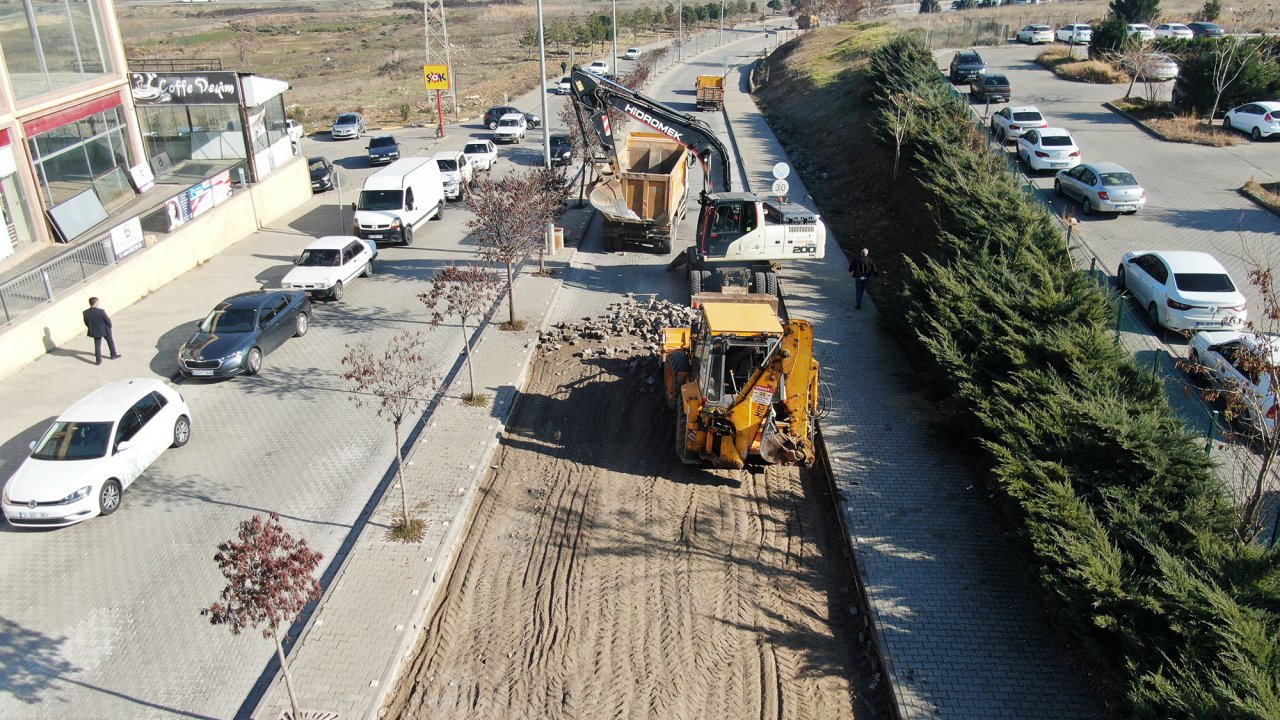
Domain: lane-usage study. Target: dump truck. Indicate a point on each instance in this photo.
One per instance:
(710, 92)
(642, 199)
(743, 383)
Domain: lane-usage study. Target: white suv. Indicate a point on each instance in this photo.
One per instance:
(511, 128)
(329, 263)
(455, 172)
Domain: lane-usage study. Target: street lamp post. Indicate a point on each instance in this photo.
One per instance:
(680, 29)
(615, 37)
(542, 69)
(721, 22)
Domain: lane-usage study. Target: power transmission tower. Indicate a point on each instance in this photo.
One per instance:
(437, 45)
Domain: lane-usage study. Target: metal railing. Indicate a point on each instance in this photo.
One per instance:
(41, 285)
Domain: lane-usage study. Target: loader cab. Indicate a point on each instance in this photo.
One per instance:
(724, 219)
(735, 341)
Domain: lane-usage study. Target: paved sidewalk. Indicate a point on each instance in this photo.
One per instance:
(961, 634)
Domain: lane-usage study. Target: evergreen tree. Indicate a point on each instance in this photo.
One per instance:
(1111, 36)
(1136, 11)
(930, 6)
(1211, 11)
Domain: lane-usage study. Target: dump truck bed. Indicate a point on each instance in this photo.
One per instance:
(710, 94)
(644, 201)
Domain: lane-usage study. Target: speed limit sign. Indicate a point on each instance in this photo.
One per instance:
(780, 187)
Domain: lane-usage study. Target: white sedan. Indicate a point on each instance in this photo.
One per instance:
(1048, 149)
(81, 465)
(1259, 119)
(1236, 363)
(1075, 34)
(326, 266)
(1183, 290)
(1011, 122)
(482, 154)
(1035, 34)
(599, 67)
(511, 128)
(1174, 30)
(1142, 31)
(1101, 187)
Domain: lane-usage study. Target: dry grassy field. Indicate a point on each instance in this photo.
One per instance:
(338, 57)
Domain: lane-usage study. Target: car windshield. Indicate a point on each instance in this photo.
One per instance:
(317, 164)
(320, 257)
(995, 80)
(1118, 179)
(1056, 141)
(447, 165)
(380, 142)
(1208, 26)
(969, 59)
(564, 80)
(1025, 116)
(1039, 28)
(379, 200)
(347, 119)
(230, 320)
(74, 441)
(1203, 282)
(475, 149)
(559, 141)
(508, 123)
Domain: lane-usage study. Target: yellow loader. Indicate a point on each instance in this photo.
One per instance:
(743, 384)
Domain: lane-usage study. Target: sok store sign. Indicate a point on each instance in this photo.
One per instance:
(189, 88)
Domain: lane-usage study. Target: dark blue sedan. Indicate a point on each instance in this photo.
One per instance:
(242, 329)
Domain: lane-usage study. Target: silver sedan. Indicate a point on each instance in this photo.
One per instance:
(1101, 187)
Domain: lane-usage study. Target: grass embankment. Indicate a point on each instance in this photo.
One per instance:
(1061, 62)
(1138, 551)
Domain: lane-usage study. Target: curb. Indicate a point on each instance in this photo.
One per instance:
(1245, 191)
(1141, 125)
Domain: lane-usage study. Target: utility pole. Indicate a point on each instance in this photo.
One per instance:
(680, 29)
(437, 45)
(721, 22)
(614, 61)
(542, 75)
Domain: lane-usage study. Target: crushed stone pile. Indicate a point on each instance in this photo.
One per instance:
(627, 328)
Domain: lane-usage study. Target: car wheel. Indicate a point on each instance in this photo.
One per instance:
(109, 497)
(336, 293)
(1086, 207)
(301, 324)
(253, 362)
(368, 269)
(493, 124)
(181, 431)
(406, 235)
(1256, 135)
(1153, 316)
(439, 212)
(1057, 188)
(1226, 123)
(1120, 279)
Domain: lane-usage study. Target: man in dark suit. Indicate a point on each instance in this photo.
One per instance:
(99, 324)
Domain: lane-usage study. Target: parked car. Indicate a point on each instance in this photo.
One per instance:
(1075, 34)
(1154, 67)
(1035, 34)
(599, 67)
(511, 128)
(1206, 29)
(329, 264)
(321, 173)
(482, 154)
(993, 88)
(348, 126)
(562, 87)
(1011, 122)
(243, 329)
(1258, 119)
(1048, 149)
(1183, 290)
(1232, 362)
(1142, 31)
(493, 114)
(631, 53)
(455, 172)
(965, 66)
(383, 149)
(1101, 187)
(1174, 30)
(81, 465)
(294, 130)
(561, 149)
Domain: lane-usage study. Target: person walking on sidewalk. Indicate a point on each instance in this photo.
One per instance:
(99, 324)
(863, 268)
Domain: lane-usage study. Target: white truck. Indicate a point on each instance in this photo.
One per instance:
(396, 200)
(455, 172)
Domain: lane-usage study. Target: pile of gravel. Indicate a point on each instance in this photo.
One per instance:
(628, 326)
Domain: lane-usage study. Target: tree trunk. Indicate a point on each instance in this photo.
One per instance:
(466, 345)
(404, 496)
(511, 297)
(284, 670)
(897, 152)
(1247, 529)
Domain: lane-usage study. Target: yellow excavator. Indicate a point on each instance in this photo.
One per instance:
(744, 385)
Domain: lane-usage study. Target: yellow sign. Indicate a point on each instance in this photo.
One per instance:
(436, 76)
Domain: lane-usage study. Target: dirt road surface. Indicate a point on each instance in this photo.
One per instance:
(602, 579)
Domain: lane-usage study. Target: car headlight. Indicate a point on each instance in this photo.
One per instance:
(6, 495)
(234, 357)
(80, 494)
(326, 178)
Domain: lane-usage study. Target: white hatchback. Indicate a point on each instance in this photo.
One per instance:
(1011, 122)
(81, 465)
(1258, 119)
(1035, 34)
(327, 265)
(482, 154)
(1183, 290)
(1075, 34)
(1048, 149)
(1235, 363)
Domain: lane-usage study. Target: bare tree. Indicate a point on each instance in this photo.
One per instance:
(467, 293)
(397, 381)
(899, 119)
(508, 222)
(246, 40)
(1131, 57)
(1229, 58)
(270, 579)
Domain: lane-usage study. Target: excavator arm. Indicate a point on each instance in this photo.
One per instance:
(596, 95)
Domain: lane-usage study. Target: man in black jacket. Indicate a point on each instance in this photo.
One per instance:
(99, 324)
(863, 268)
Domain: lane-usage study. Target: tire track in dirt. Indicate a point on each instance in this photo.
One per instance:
(601, 578)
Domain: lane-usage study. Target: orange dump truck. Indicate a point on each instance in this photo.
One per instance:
(643, 201)
(710, 92)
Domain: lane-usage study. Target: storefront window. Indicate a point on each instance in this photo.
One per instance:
(17, 232)
(192, 132)
(84, 154)
(52, 44)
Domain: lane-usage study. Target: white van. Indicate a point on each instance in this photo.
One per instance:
(455, 172)
(397, 199)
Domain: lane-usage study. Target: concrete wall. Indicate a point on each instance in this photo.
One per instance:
(151, 268)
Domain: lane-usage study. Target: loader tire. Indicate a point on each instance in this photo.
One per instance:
(695, 282)
(771, 283)
(677, 362)
(758, 284)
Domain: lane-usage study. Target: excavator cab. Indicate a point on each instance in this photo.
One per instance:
(724, 220)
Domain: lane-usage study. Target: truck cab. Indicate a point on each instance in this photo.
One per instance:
(734, 226)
